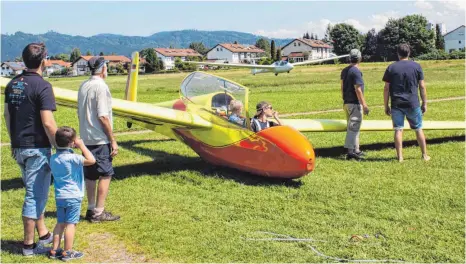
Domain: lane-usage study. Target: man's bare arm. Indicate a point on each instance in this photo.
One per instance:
(386, 91)
(105, 121)
(423, 91)
(6, 114)
(49, 124)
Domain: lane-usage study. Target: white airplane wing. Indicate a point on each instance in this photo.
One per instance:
(319, 60)
(234, 65)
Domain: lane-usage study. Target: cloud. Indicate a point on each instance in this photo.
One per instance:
(421, 4)
(280, 33)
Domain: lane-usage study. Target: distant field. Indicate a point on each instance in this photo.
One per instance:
(177, 208)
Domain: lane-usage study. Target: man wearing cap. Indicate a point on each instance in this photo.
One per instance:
(402, 81)
(352, 91)
(96, 131)
(264, 111)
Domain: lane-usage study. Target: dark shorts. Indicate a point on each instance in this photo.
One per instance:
(103, 165)
(414, 116)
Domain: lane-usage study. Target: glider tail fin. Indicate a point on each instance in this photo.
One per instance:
(131, 91)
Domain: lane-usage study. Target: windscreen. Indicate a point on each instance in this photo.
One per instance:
(215, 94)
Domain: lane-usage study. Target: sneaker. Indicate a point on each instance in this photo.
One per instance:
(355, 156)
(55, 254)
(89, 214)
(46, 241)
(37, 249)
(104, 216)
(361, 153)
(71, 254)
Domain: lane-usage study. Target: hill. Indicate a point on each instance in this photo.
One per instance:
(13, 44)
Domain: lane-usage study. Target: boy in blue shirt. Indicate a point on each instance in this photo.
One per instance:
(67, 170)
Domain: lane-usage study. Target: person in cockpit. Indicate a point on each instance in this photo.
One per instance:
(264, 111)
(236, 108)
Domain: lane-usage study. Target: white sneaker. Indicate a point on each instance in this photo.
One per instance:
(46, 241)
(37, 250)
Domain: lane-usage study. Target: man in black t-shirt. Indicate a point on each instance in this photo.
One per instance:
(352, 90)
(402, 81)
(29, 102)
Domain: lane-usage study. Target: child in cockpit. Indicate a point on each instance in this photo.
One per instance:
(236, 108)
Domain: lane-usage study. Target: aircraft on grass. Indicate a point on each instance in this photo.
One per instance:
(276, 67)
(199, 119)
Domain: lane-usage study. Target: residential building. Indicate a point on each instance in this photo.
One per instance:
(430, 25)
(235, 53)
(298, 48)
(454, 40)
(11, 68)
(168, 56)
(80, 65)
(443, 28)
(55, 66)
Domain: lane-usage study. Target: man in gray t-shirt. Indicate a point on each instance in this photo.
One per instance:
(96, 131)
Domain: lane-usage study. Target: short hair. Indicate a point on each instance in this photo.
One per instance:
(64, 136)
(33, 54)
(99, 70)
(403, 50)
(235, 105)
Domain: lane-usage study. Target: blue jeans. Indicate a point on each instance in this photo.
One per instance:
(36, 174)
(68, 210)
(414, 116)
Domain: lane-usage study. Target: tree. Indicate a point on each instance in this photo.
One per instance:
(327, 33)
(369, 49)
(236, 42)
(101, 53)
(199, 47)
(345, 37)
(439, 40)
(306, 36)
(75, 54)
(316, 37)
(272, 50)
(312, 35)
(263, 44)
(88, 53)
(152, 61)
(279, 54)
(119, 68)
(410, 29)
(19, 59)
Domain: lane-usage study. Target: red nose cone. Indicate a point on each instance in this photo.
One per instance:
(299, 151)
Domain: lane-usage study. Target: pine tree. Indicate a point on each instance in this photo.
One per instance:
(307, 36)
(75, 54)
(88, 53)
(101, 53)
(439, 40)
(279, 54)
(272, 50)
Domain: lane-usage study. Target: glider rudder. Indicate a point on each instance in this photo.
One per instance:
(131, 91)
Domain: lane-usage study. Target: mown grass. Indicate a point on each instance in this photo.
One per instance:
(177, 208)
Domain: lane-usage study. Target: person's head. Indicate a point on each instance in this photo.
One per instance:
(403, 50)
(355, 56)
(97, 66)
(236, 106)
(264, 108)
(65, 137)
(34, 55)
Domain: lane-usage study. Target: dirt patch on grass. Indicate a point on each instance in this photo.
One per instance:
(106, 247)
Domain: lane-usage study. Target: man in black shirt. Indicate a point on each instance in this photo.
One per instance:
(29, 102)
(402, 81)
(352, 90)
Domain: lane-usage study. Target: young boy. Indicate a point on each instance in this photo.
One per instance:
(67, 170)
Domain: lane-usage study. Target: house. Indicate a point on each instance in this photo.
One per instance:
(10, 68)
(235, 53)
(298, 49)
(168, 56)
(454, 40)
(80, 65)
(55, 66)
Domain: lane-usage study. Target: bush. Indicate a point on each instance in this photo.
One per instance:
(442, 55)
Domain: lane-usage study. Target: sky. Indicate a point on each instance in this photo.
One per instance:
(278, 19)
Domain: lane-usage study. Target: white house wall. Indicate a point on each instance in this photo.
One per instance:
(455, 40)
(314, 53)
(80, 67)
(220, 53)
(5, 71)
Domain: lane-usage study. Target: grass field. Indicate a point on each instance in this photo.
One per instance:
(177, 208)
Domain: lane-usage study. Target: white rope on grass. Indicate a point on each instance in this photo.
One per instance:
(280, 237)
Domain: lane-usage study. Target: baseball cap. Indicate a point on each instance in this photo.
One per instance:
(95, 63)
(355, 54)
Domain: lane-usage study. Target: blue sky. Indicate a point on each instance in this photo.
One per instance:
(272, 19)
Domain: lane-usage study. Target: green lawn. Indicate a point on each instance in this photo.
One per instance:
(177, 208)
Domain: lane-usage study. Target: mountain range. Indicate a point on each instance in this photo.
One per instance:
(13, 44)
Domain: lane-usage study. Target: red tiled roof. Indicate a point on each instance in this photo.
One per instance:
(241, 48)
(111, 58)
(311, 42)
(177, 52)
(16, 66)
(49, 63)
(296, 54)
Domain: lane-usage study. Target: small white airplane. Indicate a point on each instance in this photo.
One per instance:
(276, 67)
